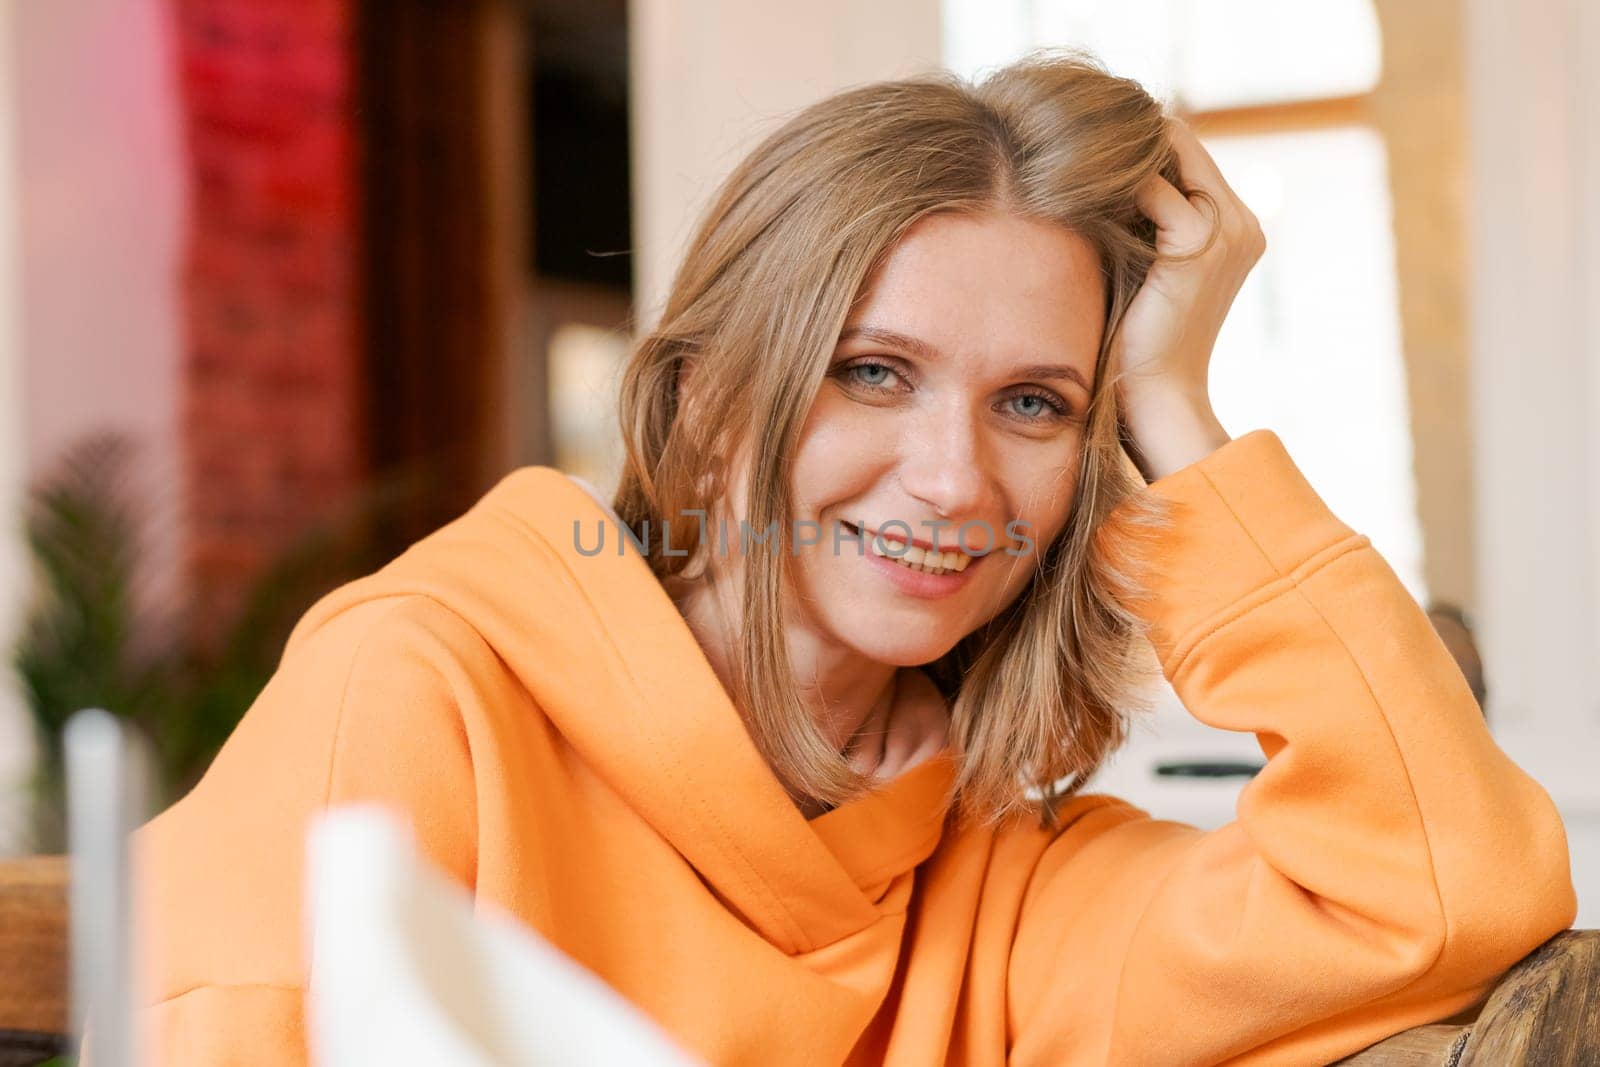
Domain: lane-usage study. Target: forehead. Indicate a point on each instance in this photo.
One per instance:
(991, 286)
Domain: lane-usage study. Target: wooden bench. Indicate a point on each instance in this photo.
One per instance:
(1544, 1012)
(33, 959)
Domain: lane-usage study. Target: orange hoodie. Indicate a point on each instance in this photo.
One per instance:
(564, 750)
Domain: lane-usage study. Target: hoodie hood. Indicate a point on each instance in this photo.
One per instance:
(604, 652)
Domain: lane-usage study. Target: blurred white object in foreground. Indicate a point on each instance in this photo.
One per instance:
(403, 972)
(109, 775)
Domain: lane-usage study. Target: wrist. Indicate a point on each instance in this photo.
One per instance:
(1171, 431)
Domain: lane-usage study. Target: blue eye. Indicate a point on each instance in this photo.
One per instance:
(1043, 406)
(876, 379)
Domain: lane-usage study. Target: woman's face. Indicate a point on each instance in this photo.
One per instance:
(957, 392)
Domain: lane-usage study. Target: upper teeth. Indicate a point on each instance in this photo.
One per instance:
(916, 557)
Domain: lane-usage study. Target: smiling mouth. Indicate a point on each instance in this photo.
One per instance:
(914, 557)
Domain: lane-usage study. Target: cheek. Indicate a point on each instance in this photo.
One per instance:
(1045, 503)
(838, 452)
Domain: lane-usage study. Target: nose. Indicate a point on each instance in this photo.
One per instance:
(944, 467)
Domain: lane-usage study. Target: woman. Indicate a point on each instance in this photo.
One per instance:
(804, 802)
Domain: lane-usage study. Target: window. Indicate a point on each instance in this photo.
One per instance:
(1202, 55)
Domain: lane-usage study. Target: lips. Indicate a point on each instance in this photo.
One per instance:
(915, 580)
(920, 542)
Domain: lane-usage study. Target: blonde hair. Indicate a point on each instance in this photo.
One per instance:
(1044, 692)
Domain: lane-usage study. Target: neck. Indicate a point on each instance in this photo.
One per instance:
(850, 696)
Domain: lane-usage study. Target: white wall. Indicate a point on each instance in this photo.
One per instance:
(91, 200)
(101, 181)
(15, 746)
(1534, 114)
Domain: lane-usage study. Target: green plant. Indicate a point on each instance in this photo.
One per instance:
(82, 643)
(92, 637)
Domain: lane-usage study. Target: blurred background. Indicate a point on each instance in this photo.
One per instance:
(286, 285)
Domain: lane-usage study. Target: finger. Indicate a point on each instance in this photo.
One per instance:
(1195, 165)
(1171, 211)
(1200, 173)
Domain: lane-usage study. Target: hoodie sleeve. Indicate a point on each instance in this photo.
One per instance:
(1384, 868)
(361, 710)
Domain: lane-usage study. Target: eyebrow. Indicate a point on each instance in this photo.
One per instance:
(926, 351)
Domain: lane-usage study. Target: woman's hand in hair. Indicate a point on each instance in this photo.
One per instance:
(1167, 335)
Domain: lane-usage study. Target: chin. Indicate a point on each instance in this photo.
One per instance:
(906, 650)
(883, 627)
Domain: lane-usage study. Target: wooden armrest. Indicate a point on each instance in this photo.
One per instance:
(1545, 1012)
(33, 945)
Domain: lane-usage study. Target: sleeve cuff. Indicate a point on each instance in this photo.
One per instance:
(1242, 517)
